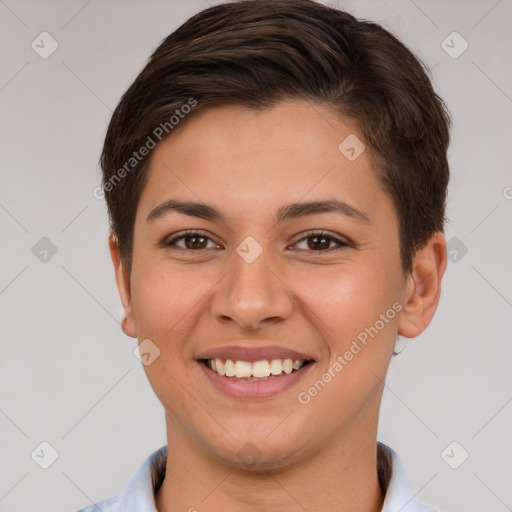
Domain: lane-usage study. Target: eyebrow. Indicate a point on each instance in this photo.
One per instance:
(286, 212)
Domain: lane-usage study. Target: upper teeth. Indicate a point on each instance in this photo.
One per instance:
(259, 369)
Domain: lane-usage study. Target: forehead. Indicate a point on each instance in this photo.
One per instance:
(256, 160)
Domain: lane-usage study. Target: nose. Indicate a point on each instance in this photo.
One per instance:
(252, 295)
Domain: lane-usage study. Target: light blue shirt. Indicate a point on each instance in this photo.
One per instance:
(139, 495)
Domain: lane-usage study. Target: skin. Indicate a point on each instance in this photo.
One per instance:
(247, 164)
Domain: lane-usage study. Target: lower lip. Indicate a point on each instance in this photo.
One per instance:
(255, 389)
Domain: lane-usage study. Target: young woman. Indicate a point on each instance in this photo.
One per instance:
(276, 181)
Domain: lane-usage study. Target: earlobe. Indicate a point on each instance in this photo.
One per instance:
(124, 288)
(423, 287)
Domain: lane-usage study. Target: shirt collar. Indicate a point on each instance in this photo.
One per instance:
(400, 495)
(140, 493)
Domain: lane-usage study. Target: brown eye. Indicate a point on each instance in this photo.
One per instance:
(191, 241)
(195, 241)
(321, 242)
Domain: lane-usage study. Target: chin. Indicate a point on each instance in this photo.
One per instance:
(258, 454)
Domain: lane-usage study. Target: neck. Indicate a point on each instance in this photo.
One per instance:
(339, 476)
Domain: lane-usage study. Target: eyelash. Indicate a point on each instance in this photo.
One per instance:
(309, 234)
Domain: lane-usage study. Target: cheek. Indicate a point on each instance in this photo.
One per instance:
(352, 308)
(166, 304)
(165, 300)
(348, 298)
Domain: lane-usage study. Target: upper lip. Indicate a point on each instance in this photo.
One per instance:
(251, 354)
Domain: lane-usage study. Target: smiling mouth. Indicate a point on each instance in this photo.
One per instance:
(248, 371)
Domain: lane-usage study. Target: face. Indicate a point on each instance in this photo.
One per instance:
(255, 277)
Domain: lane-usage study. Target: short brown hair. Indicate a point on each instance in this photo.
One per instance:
(254, 53)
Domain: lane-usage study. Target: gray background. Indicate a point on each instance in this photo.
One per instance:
(68, 375)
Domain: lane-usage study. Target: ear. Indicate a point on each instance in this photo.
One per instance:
(423, 287)
(123, 285)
